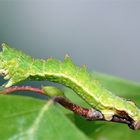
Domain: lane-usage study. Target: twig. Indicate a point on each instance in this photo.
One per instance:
(21, 88)
(90, 114)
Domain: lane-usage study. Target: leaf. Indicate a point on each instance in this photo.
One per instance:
(24, 118)
(106, 130)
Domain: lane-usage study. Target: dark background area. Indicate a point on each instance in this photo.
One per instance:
(104, 34)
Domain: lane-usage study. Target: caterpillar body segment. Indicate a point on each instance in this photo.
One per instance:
(17, 66)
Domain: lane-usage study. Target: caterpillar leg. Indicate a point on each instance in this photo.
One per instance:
(108, 114)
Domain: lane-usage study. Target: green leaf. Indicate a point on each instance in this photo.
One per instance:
(124, 88)
(23, 118)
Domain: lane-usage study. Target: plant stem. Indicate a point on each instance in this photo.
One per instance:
(21, 88)
(89, 114)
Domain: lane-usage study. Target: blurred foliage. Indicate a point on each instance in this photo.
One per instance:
(26, 118)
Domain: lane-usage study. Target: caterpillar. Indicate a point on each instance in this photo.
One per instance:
(16, 66)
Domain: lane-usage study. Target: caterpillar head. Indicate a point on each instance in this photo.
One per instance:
(9, 65)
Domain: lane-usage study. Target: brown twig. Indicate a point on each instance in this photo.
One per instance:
(90, 114)
(21, 88)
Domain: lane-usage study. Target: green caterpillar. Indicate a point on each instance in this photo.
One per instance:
(17, 66)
